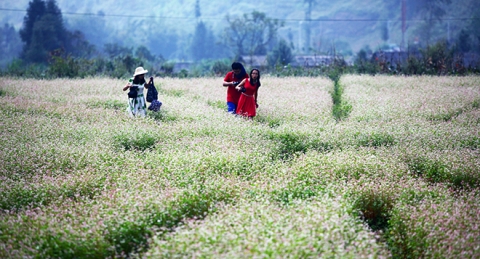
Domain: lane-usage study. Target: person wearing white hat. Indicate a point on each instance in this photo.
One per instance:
(136, 101)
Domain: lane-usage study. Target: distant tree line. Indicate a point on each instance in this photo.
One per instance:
(45, 48)
(50, 50)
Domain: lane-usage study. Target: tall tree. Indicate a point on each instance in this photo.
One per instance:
(251, 33)
(43, 31)
(10, 44)
(55, 19)
(36, 9)
(203, 43)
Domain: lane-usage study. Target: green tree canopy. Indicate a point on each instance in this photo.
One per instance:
(143, 52)
(251, 33)
(43, 32)
(281, 54)
(203, 43)
(36, 9)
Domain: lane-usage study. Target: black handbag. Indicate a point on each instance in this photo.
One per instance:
(152, 93)
(133, 93)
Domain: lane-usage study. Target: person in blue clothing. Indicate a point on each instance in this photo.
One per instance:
(231, 80)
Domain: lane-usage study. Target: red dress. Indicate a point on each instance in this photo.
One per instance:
(232, 94)
(247, 102)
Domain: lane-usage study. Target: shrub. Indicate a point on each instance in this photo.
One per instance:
(57, 246)
(132, 236)
(289, 144)
(63, 67)
(268, 119)
(363, 66)
(163, 115)
(217, 104)
(289, 194)
(374, 203)
(436, 229)
(167, 68)
(472, 142)
(129, 237)
(341, 108)
(220, 66)
(459, 174)
(322, 146)
(135, 141)
(413, 66)
(375, 139)
(438, 58)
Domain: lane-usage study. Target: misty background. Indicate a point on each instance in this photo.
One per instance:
(193, 30)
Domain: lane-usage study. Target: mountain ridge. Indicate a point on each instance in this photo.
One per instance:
(352, 22)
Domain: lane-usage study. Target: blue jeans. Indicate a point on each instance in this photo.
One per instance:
(231, 107)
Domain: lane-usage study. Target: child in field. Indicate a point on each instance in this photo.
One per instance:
(231, 80)
(247, 104)
(136, 101)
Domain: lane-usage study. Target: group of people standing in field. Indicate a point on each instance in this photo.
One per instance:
(242, 92)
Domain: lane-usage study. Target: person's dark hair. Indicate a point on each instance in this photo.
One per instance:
(139, 81)
(258, 78)
(243, 72)
(237, 65)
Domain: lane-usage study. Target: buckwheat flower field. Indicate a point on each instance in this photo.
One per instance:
(397, 177)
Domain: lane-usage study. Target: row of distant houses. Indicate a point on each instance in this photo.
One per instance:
(298, 61)
(388, 57)
(261, 61)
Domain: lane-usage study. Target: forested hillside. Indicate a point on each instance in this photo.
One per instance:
(167, 27)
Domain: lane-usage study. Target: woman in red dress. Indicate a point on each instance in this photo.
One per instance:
(247, 104)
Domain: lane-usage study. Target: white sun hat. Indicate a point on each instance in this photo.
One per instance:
(140, 71)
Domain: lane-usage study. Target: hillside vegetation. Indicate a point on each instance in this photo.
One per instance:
(358, 23)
